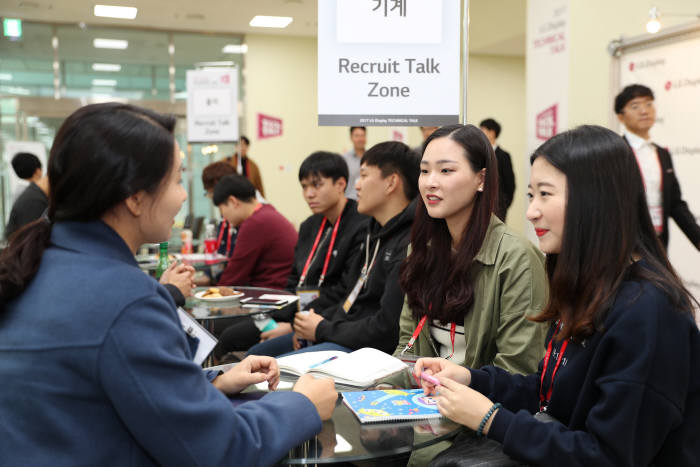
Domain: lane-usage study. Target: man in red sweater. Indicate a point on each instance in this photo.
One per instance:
(265, 246)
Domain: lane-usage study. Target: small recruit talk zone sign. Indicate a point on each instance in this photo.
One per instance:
(212, 97)
(388, 62)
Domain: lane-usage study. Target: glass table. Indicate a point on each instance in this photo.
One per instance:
(209, 310)
(344, 439)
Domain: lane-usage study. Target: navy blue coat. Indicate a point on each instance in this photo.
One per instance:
(96, 370)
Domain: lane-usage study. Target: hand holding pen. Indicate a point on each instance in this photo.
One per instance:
(437, 368)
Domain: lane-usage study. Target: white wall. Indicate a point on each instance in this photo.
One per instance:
(594, 23)
(497, 90)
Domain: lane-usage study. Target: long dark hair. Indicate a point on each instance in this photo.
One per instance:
(438, 283)
(606, 227)
(102, 154)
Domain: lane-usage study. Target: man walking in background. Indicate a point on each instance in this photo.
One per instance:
(506, 179)
(635, 109)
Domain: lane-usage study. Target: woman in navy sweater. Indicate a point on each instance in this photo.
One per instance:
(621, 373)
(94, 364)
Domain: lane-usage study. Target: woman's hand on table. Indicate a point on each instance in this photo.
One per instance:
(180, 275)
(281, 329)
(253, 369)
(439, 368)
(321, 392)
(462, 404)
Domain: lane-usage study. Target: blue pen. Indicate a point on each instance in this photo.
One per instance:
(324, 361)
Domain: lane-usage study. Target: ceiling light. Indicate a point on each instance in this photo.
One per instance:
(112, 11)
(653, 25)
(104, 82)
(110, 44)
(271, 21)
(106, 67)
(235, 49)
(5, 77)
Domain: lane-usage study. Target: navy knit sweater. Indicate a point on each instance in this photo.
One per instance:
(628, 395)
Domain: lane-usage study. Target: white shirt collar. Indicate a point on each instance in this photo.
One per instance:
(636, 141)
(495, 145)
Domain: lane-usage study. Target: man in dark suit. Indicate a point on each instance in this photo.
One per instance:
(634, 107)
(506, 179)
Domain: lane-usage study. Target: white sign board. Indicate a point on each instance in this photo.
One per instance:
(212, 99)
(672, 71)
(388, 62)
(547, 70)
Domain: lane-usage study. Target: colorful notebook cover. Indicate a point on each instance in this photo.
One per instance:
(391, 405)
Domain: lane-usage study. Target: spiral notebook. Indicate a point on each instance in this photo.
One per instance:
(360, 368)
(391, 405)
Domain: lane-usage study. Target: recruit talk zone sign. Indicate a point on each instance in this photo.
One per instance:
(388, 62)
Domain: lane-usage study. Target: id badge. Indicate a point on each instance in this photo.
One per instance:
(355, 292)
(657, 218)
(306, 296)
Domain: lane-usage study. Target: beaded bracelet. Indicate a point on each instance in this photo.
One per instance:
(480, 430)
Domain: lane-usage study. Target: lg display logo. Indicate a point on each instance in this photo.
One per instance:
(546, 123)
(653, 63)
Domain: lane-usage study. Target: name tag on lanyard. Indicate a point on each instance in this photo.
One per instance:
(366, 269)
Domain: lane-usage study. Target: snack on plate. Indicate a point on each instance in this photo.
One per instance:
(213, 292)
(218, 292)
(227, 291)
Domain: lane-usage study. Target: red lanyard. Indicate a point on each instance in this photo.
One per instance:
(545, 400)
(304, 271)
(224, 225)
(419, 328)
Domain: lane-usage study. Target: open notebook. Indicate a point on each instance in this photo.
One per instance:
(391, 405)
(360, 368)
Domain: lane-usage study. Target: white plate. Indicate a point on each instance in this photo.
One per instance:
(226, 298)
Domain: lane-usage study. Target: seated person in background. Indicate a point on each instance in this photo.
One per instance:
(31, 203)
(28, 169)
(471, 284)
(225, 232)
(369, 313)
(621, 375)
(245, 166)
(265, 245)
(111, 379)
(329, 242)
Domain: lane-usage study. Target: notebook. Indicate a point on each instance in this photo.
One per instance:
(361, 368)
(391, 405)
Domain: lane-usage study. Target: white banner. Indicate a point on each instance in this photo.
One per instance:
(388, 62)
(674, 77)
(547, 70)
(212, 99)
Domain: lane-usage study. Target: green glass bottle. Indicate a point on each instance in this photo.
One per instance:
(162, 260)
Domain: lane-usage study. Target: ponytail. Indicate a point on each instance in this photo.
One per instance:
(20, 260)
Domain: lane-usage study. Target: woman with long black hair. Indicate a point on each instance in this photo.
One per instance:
(94, 364)
(470, 282)
(621, 373)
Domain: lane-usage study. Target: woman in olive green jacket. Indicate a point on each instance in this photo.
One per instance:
(470, 282)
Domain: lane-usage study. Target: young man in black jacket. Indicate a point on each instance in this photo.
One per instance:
(368, 313)
(329, 241)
